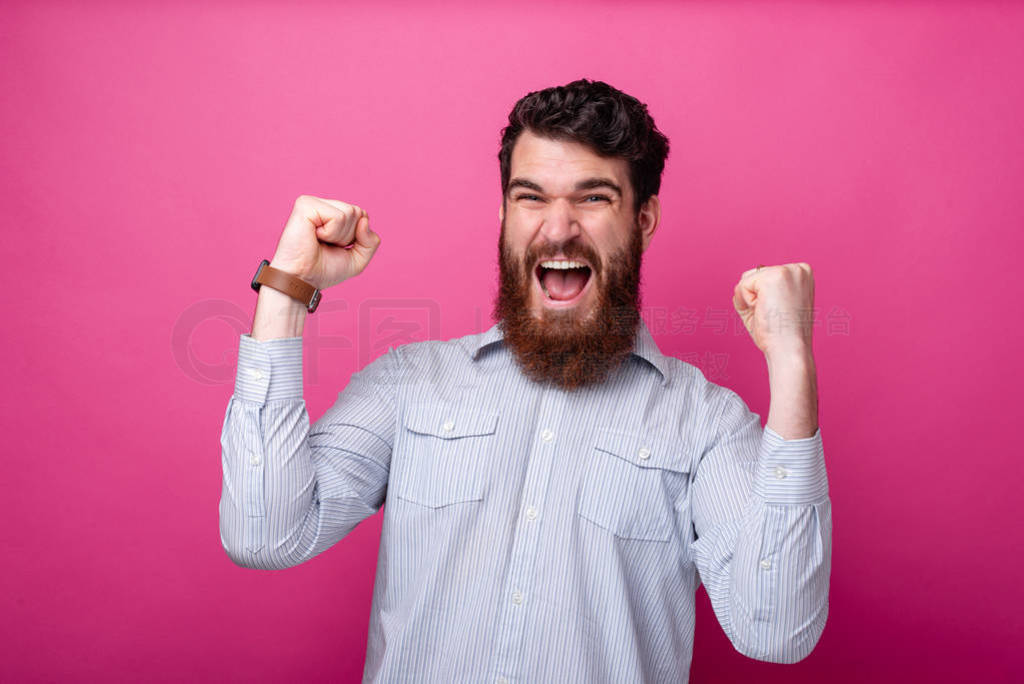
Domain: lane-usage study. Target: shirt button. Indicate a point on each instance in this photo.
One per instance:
(547, 435)
(517, 597)
(780, 473)
(256, 373)
(531, 513)
(502, 680)
(255, 460)
(766, 564)
(644, 454)
(448, 426)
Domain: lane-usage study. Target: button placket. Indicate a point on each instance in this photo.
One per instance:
(541, 458)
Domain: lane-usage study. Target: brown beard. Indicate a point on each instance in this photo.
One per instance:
(561, 347)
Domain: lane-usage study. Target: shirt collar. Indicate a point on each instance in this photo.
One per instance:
(644, 346)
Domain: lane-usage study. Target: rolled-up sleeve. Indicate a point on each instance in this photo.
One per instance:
(763, 535)
(291, 490)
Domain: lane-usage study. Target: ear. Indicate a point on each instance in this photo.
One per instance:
(501, 211)
(648, 219)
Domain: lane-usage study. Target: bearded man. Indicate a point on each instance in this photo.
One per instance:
(556, 488)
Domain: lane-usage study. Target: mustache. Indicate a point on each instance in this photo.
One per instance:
(573, 250)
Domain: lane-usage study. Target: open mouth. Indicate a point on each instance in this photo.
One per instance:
(563, 281)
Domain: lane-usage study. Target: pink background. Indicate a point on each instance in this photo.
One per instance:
(151, 156)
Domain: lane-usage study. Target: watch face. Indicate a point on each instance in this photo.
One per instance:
(259, 269)
(314, 302)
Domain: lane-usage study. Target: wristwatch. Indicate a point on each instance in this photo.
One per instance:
(294, 287)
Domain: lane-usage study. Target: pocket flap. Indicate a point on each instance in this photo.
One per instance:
(644, 451)
(449, 422)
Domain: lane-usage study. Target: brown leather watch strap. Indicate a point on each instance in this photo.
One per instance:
(294, 287)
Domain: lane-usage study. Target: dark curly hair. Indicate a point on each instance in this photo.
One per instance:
(593, 113)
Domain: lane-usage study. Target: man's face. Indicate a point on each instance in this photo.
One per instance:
(570, 260)
(563, 201)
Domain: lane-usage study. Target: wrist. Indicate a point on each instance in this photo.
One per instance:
(291, 268)
(272, 277)
(798, 355)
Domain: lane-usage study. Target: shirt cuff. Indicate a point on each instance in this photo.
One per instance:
(791, 471)
(269, 370)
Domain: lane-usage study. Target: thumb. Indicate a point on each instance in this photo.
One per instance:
(742, 299)
(366, 241)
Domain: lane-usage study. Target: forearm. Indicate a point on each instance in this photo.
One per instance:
(767, 575)
(267, 506)
(792, 377)
(283, 503)
(291, 490)
(779, 581)
(267, 494)
(764, 530)
(277, 315)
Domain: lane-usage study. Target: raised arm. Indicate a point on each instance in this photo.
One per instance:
(761, 512)
(290, 490)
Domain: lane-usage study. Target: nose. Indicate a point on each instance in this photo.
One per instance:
(560, 222)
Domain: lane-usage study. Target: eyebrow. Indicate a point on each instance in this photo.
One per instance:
(588, 184)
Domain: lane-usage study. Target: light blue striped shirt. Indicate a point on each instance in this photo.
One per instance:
(532, 534)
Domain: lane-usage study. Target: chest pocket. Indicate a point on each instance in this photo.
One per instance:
(631, 484)
(443, 454)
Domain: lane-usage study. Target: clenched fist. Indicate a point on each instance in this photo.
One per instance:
(775, 303)
(325, 242)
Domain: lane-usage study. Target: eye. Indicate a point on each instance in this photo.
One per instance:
(527, 197)
(600, 198)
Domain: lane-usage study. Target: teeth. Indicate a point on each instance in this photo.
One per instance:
(563, 264)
